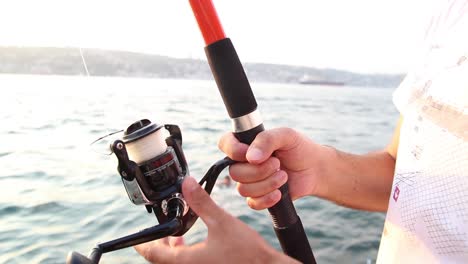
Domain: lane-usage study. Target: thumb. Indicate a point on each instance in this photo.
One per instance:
(269, 141)
(202, 204)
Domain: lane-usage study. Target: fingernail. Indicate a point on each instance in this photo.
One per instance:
(254, 154)
(280, 177)
(275, 196)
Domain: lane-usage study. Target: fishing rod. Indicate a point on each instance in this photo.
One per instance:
(241, 106)
(152, 167)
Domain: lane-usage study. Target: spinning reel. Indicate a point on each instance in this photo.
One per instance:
(152, 170)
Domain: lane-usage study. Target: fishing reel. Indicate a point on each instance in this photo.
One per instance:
(152, 169)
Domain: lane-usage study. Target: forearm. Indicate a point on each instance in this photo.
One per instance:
(358, 181)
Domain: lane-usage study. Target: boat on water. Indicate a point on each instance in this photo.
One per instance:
(319, 81)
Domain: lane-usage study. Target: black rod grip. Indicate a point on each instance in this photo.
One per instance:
(239, 100)
(287, 224)
(293, 235)
(230, 78)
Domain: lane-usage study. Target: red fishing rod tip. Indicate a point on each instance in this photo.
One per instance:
(208, 20)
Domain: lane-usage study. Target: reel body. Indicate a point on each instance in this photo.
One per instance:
(152, 169)
(155, 175)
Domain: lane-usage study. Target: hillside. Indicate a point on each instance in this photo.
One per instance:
(67, 61)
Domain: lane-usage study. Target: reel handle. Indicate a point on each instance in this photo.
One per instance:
(169, 228)
(76, 258)
(174, 227)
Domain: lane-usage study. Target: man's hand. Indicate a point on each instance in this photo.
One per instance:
(295, 157)
(229, 239)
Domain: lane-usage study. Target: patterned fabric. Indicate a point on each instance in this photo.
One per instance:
(427, 219)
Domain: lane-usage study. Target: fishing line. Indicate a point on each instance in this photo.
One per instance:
(110, 134)
(95, 148)
(84, 62)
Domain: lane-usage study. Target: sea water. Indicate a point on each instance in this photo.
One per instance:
(57, 194)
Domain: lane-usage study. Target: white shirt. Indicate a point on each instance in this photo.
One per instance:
(427, 219)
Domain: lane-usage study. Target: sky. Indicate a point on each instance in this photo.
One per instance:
(372, 36)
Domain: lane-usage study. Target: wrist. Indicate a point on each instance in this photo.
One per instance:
(326, 171)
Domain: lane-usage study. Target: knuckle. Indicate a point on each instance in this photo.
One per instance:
(260, 173)
(288, 131)
(273, 197)
(234, 171)
(264, 138)
(232, 147)
(272, 165)
(274, 183)
(240, 172)
(226, 145)
(238, 152)
(292, 135)
(279, 179)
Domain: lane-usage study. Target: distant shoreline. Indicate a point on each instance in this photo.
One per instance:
(107, 63)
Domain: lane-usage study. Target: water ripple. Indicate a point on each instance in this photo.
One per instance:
(36, 175)
(11, 209)
(58, 198)
(50, 207)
